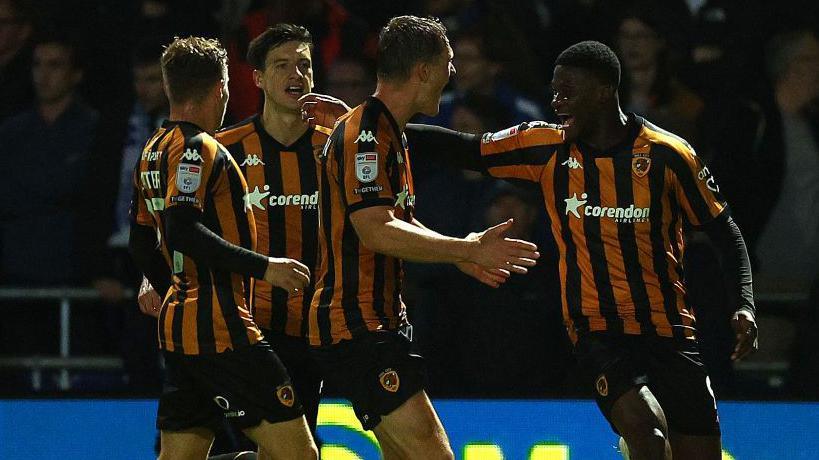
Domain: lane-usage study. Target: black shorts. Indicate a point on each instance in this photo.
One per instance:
(672, 369)
(244, 386)
(294, 352)
(376, 372)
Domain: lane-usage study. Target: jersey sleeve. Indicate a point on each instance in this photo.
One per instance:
(520, 152)
(366, 181)
(696, 189)
(190, 166)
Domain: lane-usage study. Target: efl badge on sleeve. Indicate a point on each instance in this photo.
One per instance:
(366, 166)
(188, 177)
(389, 380)
(286, 395)
(640, 165)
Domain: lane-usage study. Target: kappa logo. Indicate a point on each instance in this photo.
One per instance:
(602, 385)
(572, 163)
(252, 160)
(389, 380)
(191, 155)
(286, 395)
(365, 136)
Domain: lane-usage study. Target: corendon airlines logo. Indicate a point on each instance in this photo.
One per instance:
(629, 215)
(257, 198)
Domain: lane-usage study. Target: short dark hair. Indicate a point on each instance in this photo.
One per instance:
(595, 57)
(271, 38)
(191, 66)
(407, 40)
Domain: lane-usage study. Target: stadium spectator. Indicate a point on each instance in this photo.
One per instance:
(479, 75)
(350, 79)
(46, 161)
(650, 54)
(16, 89)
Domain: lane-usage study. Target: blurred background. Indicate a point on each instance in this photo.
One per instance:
(80, 92)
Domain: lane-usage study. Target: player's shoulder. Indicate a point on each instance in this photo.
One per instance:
(530, 132)
(668, 141)
(235, 133)
(190, 143)
(370, 122)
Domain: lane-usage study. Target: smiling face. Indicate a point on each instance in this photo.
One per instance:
(579, 99)
(287, 75)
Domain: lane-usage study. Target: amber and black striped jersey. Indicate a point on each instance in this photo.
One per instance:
(365, 163)
(206, 310)
(283, 194)
(617, 219)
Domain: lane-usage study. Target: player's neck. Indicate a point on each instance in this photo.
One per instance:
(286, 126)
(398, 98)
(611, 131)
(193, 113)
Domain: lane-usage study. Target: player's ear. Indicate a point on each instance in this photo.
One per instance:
(423, 71)
(257, 78)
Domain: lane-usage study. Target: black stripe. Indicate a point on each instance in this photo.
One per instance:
(678, 166)
(325, 214)
(350, 245)
(337, 139)
(623, 182)
(176, 329)
(572, 283)
(237, 151)
(656, 186)
(534, 155)
(309, 226)
(277, 242)
(597, 253)
(204, 312)
(379, 268)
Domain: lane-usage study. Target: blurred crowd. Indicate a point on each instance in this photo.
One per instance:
(81, 90)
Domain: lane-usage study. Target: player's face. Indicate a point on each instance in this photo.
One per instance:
(575, 100)
(288, 75)
(440, 70)
(54, 75)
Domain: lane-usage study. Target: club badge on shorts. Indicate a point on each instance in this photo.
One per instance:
(640, 165)
(366, 166)
(188, 177)
(602, 386)
(286, 395)
(389, 380)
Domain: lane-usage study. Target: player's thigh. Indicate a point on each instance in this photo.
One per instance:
(637, 413)
(413, 427)
(190, 444)
(283, 440)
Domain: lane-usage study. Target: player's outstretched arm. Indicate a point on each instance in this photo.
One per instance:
(144, 249)
(186, 234)
(379, 230)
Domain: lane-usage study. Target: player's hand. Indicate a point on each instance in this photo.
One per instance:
(148, 299)
(492, 278)
(288, 274)
(495, 252)
(322, 110)
(745, 328)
